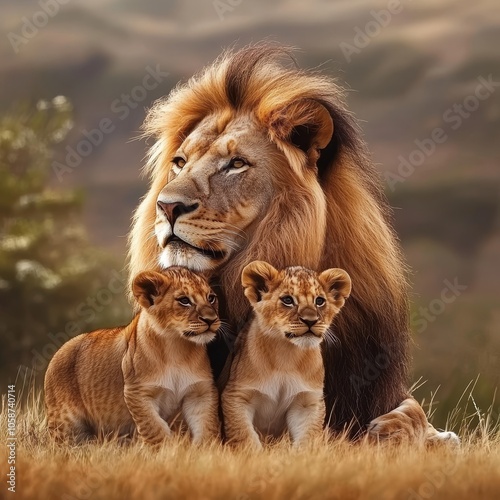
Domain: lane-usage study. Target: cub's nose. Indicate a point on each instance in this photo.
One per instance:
(175, 209)
(309, 322)
(208, 320)
(207, 315)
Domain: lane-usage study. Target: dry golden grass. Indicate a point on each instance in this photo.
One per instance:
(336, 470)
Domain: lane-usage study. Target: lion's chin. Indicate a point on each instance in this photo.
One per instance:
(187, 256)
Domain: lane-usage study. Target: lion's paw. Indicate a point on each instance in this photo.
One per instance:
(448, 438)
(386, 428)
(406, 423)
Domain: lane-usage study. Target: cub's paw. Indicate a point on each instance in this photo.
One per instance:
(246, 444)
(156, 440)
(206, 439)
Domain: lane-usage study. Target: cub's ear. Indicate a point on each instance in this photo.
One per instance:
(148, 286)
(337, 282)
(306, 124)
(255, 279)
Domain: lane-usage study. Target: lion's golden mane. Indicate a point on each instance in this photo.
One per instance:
(366, 374)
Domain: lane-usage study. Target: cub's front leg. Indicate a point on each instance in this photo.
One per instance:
(238, 408)
(141, 403)
(305, 417)
(200, 410)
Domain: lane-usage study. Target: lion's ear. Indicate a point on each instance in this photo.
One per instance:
(337, 282)
(255, 279)
(148, 286)
(306, 124)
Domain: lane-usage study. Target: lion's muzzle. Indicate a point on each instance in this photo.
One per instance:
(183, 236)
(172, 210)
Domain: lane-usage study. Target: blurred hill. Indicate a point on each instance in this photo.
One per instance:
(404, 82)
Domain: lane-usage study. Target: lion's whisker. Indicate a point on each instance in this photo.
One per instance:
(232, 245)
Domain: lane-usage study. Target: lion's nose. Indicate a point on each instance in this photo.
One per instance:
(173, 210)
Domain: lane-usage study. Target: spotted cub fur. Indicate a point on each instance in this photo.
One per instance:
(136, 379)
(276, 378)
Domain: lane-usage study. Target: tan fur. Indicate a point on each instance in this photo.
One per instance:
(138, 378)
(408, 423)
(308, 195)
(277, 376)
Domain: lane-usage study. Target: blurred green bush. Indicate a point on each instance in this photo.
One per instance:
(53, 283)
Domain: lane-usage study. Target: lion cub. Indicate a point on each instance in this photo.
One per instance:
(276, 378)
(139, 377)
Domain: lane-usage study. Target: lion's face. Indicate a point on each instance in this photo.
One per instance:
(295, 304)
(219, 184)
(180, 302)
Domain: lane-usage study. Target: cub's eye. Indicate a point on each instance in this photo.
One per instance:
(237, 163)
(212, 298)
(320, 301)
(184, 301)
(287, 300)
(178, 162)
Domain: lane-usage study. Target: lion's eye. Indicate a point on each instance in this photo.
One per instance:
(287, 300)
(212, 298)
(179, 163)
(184, 301)
(237, 162)
(320, 301)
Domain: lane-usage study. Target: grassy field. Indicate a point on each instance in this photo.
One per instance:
(337, 469)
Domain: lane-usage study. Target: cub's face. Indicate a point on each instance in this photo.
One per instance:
(179, 302)
(295, 304)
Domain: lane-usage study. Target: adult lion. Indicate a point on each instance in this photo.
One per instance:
(258, 161)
